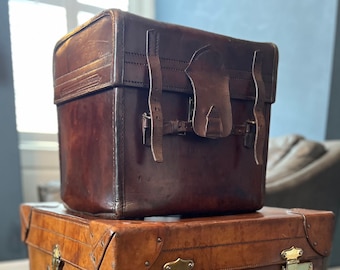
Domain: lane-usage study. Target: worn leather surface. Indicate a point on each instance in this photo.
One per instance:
(103, 82)
(243, 241)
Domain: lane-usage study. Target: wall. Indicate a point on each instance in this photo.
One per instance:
(10, 191)
(303, 30)
(333, 126)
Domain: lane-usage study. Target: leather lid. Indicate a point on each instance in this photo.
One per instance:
(109, 51)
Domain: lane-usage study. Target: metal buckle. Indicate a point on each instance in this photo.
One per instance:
(250, 133)
(146, 123)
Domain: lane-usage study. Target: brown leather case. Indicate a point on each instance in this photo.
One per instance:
(271, 238)
(158, 119)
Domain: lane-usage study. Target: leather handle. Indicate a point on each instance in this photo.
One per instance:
(155, 94)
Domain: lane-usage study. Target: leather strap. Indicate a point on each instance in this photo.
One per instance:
(181, 127)
(259, 107)
(155, 94)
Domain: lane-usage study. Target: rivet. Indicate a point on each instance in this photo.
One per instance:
(308, 226)
(147, 263)
(159, 239)
(168, 267)
(191, 265)
(315, 243)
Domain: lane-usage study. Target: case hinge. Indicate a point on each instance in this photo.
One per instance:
(292, 256)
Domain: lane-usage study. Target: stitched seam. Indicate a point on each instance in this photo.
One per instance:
(162, 58)
(228, 244)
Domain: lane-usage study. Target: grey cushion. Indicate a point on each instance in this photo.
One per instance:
(290, 154)
(278, 147)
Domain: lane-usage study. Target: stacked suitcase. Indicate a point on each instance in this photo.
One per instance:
(163, 134)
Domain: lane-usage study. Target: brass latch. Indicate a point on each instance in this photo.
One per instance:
(250, 133)
(56, 258)
(179, 264)
(292, 256)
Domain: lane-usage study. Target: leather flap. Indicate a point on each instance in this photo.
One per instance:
(319, 228)
(212, 116)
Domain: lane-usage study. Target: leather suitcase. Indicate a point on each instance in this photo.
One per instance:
(159, 119)
(272, 238)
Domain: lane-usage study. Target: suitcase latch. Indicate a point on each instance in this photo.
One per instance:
(292, 256)
(56, 259)
(179, 264)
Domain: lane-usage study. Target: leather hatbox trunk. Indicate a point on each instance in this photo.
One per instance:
(158, 119)
(272, 238)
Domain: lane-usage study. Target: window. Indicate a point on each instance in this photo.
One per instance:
(36, 26)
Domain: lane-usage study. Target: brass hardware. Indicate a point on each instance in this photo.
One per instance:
(179, 264)
(191, 106)
(250, 133)
(247, 129)
(169, 127)
(146, 123)
(56, 258)
(292, 256)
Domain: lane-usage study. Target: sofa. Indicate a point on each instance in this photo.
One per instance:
(305, 173)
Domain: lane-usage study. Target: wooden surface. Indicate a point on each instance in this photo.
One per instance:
(23, 265)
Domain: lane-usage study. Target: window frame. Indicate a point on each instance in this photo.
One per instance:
(39, 152)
